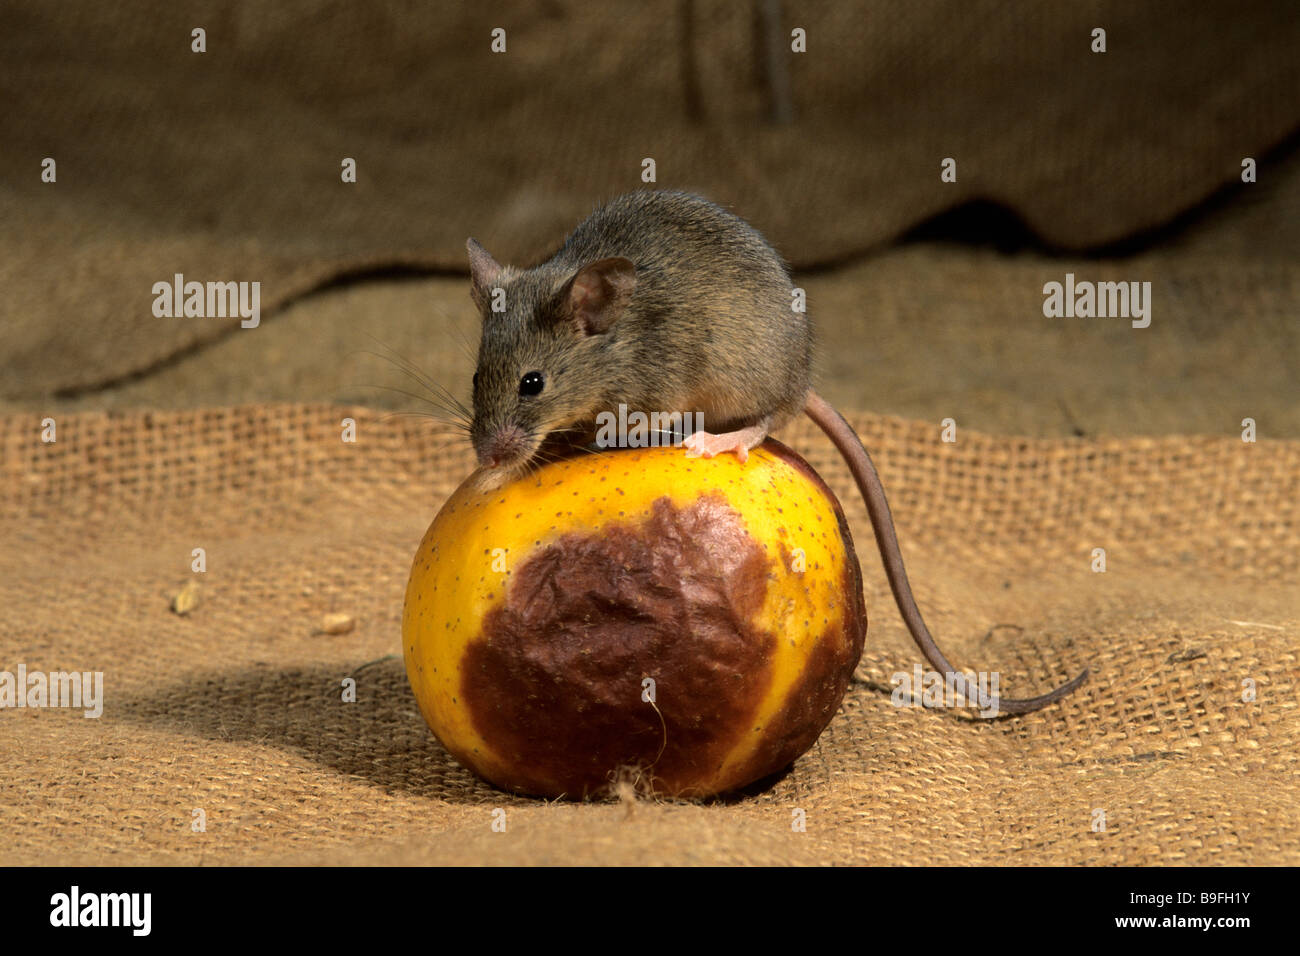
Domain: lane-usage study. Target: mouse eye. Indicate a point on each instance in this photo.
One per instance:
(475, 381)
(531, 384)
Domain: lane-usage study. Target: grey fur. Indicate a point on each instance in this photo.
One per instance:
(709, 327)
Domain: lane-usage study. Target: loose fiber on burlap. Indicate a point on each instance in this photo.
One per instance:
(225, 165)
(235, 709)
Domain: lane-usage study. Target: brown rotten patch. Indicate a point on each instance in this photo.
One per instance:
(555, 682)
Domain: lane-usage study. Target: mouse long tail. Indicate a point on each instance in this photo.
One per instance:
(864, 473)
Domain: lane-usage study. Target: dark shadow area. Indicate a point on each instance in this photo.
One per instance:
(755, 789)
(984, 223)
(381, 738)
(980, 223)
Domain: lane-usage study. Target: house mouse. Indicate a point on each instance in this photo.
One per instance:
(664, 301)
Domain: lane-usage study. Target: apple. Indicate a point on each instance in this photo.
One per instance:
(696, 620)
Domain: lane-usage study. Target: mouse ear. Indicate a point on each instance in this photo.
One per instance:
(598, 293)
(483, 271)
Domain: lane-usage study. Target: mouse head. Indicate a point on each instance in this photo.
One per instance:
(542, 366)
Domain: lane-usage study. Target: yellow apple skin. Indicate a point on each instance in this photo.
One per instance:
(696, 619)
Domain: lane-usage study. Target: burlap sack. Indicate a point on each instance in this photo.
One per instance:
(235, 709)
(225, 165)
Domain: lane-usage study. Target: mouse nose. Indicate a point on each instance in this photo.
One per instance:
(505, 444)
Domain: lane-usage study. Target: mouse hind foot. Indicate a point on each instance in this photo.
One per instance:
(704, 444)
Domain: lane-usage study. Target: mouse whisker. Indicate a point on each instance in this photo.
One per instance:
(467, 346)
(389, 416)
(449, 414)
(415, 373)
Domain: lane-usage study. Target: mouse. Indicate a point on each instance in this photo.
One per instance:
(663, 300)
